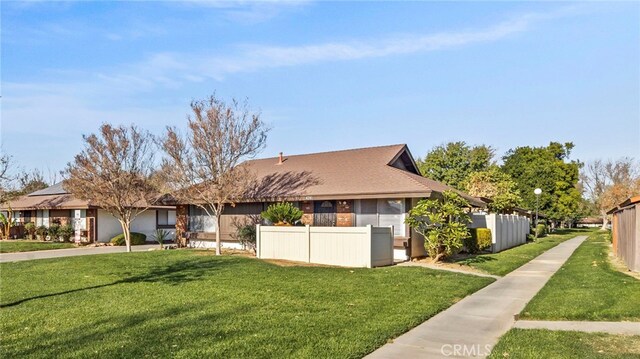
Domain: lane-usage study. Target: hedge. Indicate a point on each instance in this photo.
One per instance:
(136, 238)
(479, 240)
(541, 230)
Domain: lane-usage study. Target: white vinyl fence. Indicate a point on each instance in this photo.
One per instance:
(341, 246)
(507, 230)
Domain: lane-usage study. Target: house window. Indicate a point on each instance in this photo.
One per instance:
(367, 212)
(166, 217)
(382, 213)
(391, 213)
(200, 221)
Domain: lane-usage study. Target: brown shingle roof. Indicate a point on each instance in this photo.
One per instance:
(348, 174)
(53, 197)
(61, 201)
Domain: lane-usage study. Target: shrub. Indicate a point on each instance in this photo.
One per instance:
(246, 235)
(541, 230)
(42, 231)
(282, 214)
(478, 240)
(30, 228)
(54, 232)
(66, 232)
(160, 235)
(443, 223)
(136, 238)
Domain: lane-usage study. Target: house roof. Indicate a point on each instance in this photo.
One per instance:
(590, 220)
(373, 172)
(53, 197)
(51, 190)
(628, 202)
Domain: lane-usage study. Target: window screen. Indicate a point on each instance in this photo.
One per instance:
(200, 221)
(167, 217)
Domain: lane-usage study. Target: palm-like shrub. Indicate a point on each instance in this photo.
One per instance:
(66, 232)
(54, 232)
(30, 228)
(42, 232)
(160, 235)
(282, 214)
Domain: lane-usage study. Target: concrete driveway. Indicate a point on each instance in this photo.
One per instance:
(71, 252)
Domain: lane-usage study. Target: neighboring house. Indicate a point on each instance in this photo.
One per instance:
(625, 232)
(589, 222)
(55, 205)
(375, 186)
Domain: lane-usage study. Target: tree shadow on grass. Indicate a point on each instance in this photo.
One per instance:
(174, 274)
(155, 333)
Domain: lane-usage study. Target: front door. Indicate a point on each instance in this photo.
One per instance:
(324, 213)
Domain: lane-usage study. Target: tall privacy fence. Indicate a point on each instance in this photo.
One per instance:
(341, 246)
(626, 236)
(507, 230)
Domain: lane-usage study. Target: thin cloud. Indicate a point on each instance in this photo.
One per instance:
(252, 58)
(173, 70)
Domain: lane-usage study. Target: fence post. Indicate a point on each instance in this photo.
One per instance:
(368, 246)
(308, 228)
(258, 240)
(392, 234)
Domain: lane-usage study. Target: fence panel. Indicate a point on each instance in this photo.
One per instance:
(288, 243)
(507, 230)
(342, 246)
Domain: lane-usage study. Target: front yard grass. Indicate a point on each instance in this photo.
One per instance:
(587, 287)
(506, 261)
(23, 245)
(189, 304)
(541, 343)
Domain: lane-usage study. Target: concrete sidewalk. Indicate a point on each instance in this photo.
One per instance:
(626, 328)
(71, 252)
(471, 327)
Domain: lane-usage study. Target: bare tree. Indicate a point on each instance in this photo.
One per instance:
(114, 172)
(203, 165)
(5, 165)
(31, 181)
(608, 183)
(6, 195)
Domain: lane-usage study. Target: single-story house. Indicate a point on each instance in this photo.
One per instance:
(54, 205)
(625, 232)
(358, 187)
(589, 222)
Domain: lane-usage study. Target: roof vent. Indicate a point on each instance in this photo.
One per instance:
(280, 159)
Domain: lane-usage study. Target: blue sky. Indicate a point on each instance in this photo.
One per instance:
(326, 75)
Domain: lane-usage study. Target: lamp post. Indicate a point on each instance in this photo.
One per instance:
(537, 192)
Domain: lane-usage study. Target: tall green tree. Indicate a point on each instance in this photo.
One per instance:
(550, 169)
(452, 163)
(495, 185)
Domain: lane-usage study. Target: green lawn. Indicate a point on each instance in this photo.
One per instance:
(540, 343)
(191, 304)
(506, 261)
(28, 246)
(588, 288)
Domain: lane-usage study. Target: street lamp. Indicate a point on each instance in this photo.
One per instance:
(537, 192)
